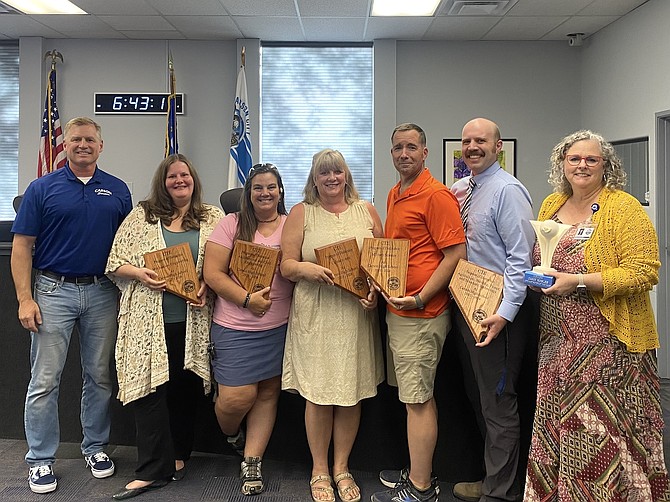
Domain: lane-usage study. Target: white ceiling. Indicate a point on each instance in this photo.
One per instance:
(313, 21)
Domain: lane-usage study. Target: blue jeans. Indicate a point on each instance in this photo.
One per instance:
(93, 308)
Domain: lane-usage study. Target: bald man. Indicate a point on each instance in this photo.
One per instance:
(499, 237)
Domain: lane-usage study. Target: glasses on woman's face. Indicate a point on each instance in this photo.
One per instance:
(589, 160)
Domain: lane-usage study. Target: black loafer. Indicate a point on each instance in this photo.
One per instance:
(128, 493)
(179, 474)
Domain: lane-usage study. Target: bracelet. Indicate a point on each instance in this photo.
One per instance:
(419, 302)
(246, 301)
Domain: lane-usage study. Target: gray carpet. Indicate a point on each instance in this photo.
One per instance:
(208, 477)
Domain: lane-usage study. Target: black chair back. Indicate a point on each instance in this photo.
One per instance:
(17, 202)
(231, 200)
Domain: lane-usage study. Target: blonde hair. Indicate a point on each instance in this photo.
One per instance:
(329, 159)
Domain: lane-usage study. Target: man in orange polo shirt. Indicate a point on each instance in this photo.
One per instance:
(423, 210)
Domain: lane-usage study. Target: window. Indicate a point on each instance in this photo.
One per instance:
(316, 97)
(634, 154)
(9, 127)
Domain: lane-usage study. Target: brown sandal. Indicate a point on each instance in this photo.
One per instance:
(327, 490)
(345, 491)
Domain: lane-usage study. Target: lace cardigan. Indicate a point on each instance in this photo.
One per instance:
(624, 248)
(141, 352)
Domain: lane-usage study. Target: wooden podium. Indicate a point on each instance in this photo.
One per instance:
(477, 292)
(343, 259)
(385, 263)
(254, 265)
(175, 266)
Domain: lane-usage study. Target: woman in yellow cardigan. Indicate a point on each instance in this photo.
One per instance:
(598, 429)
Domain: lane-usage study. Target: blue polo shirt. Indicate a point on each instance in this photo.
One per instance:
(74, 223)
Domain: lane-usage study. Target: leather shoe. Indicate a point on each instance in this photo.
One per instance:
(128, 493)
(470, 492)
(179, 474)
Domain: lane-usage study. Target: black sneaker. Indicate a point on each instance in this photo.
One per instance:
(394, 478)
(237, 442)
(41, 479)
(100, 464)
(251, 475)
(407, 492)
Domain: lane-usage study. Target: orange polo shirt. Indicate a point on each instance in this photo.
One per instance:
(427, 214)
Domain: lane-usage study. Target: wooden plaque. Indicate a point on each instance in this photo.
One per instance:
(343, 259)
(175, 266)
(385, 263)
(477, 292)
(254, 265)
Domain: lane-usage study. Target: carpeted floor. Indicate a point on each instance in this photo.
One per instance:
(208, 477)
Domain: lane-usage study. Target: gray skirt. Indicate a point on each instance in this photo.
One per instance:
(246, 357)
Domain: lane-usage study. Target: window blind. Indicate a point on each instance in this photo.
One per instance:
(316, 97)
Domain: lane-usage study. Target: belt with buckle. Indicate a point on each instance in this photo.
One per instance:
(84, 280)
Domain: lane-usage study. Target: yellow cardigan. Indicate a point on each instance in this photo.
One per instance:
(624, 248)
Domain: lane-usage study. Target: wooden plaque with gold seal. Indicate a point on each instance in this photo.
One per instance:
(254, 265)
(343, 259)
(477, 292)
(175, 266)
(385, 263)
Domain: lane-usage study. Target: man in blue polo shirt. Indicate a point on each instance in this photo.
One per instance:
(70, 216)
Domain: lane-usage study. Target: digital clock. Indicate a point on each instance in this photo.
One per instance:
(128, 102)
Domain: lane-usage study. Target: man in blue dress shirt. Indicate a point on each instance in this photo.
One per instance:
(499, 237)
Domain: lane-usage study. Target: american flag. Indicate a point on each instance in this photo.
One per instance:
(52, 156)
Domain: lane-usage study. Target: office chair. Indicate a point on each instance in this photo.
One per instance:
(17, 202)
(231, 200)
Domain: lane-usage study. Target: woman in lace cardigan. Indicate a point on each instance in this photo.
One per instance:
(598, 425)
(162, 357)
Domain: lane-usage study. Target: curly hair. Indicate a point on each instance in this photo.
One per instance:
(247, 223)
(159, 204)
(614, 176)
(329, 159)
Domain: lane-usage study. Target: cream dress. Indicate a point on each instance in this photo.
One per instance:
(333, 346)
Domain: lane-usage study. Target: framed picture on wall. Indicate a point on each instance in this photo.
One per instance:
(453, 165)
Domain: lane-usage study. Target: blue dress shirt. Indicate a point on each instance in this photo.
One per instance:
(499, 234)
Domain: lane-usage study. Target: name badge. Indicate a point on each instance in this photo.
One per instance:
(584, 232)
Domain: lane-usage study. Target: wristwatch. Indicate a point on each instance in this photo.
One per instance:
(419, 302)
(581, 287)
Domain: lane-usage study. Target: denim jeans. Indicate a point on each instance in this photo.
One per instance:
(93, 308)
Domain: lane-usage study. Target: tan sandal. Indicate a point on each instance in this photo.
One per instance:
(345, 491)
(327, 490)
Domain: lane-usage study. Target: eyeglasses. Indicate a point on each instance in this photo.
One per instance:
(589, 160)
(263, 168)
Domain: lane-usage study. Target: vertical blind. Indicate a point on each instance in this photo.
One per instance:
(316, 97)
(9, 127)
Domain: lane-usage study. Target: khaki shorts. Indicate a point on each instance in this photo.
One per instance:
(414, 349)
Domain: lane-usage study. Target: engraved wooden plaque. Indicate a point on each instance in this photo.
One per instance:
(254, 265)
(477, 292)
(343, 259)
(385, 263)
(175, 266)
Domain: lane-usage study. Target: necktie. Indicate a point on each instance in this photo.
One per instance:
(465, 208)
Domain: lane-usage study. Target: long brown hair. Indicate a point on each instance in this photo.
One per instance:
(159, 205)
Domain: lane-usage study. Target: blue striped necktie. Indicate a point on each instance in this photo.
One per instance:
(465, 208)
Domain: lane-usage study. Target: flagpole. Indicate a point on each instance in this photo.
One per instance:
(55, 56)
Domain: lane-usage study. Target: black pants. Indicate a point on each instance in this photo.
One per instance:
(165, 419)
(500, 380)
